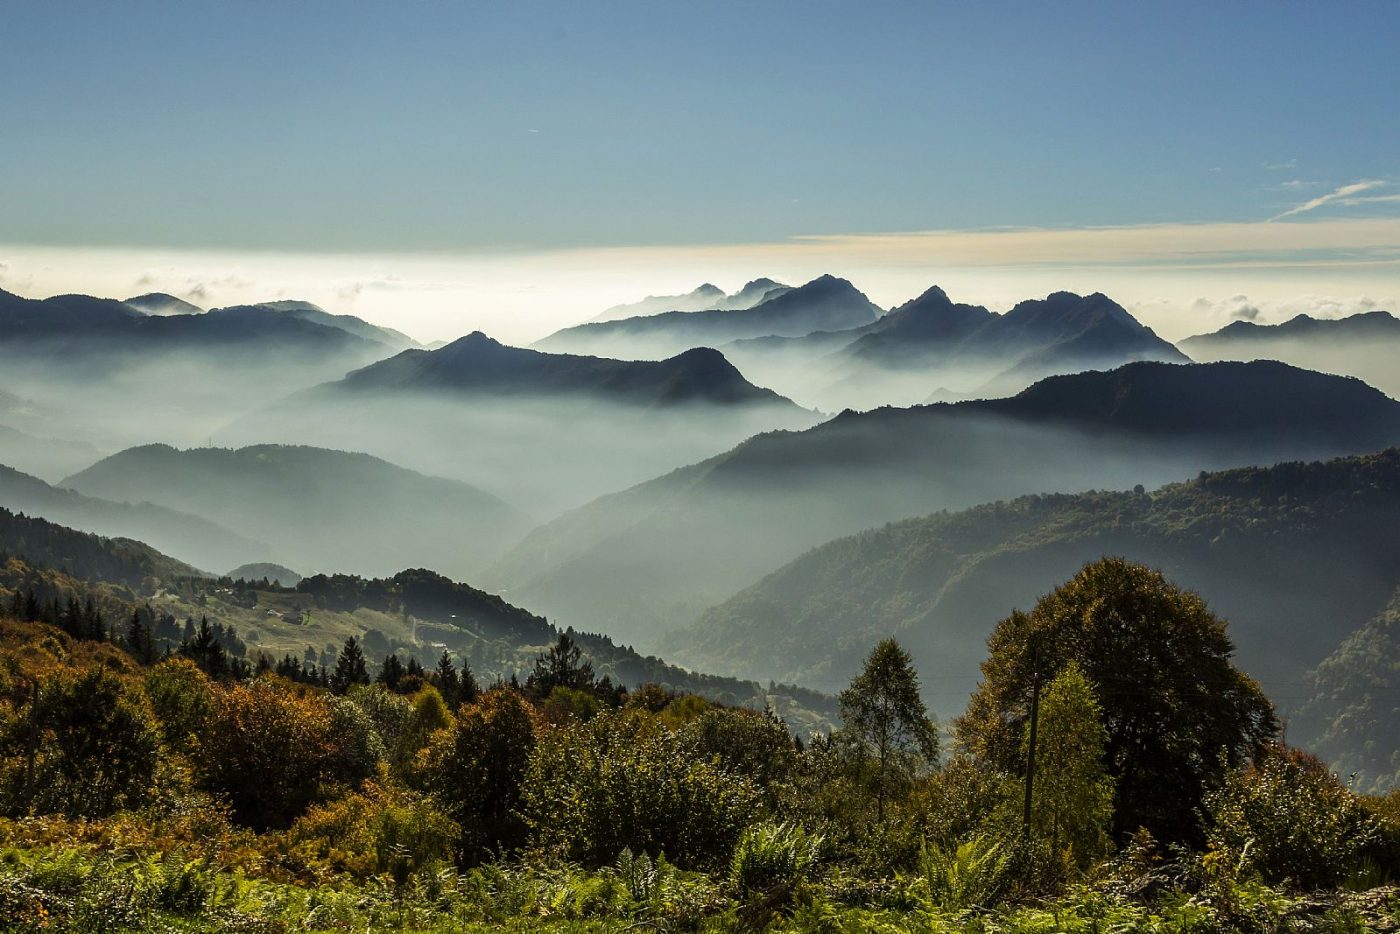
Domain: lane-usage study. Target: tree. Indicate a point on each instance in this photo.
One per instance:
(205, 650)
(1176, 712)
(1073, 794)
(887, 725)
(445, 679)
(561, 666)
(391, 672)
(182, 698)
(350, 667)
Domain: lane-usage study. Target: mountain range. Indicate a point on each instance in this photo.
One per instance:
(1296, 557)
(1362, 345)
(824, 304)
(652, 558)
(705, 297)
(324, 510)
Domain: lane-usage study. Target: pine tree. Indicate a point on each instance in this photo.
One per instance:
(391, 672)
(445, 680)
(886, 723)
(561, 666)
(350, 667)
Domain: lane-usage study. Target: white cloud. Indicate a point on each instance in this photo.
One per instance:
(1339, 195)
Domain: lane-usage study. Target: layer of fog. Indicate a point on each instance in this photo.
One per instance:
(1376, 362)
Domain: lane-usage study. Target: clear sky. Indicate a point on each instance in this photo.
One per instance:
(518, 162)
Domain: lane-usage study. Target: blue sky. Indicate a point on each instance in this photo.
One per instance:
(456, 128)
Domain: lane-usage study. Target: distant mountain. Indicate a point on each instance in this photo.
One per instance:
(200, 542)
(1294, 556)
(1363, 345)
(323, 509)
(163, 303)
(476, 364)
(44, 457)
(1350, 719)
(350, 324)
(546, 431)
(824, 304)
(653, 557)
(260, 571)
(932, 348)
(706, 297)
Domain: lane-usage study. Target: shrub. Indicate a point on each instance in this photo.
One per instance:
(974, 874)
(771, 861)
(1289, 818)
(182, 699)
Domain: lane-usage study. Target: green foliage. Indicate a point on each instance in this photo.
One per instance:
(182, 699)
(1073, 793)
(1178, 714)
(974, 874)
(745, 742)
(85, 745)
(476, 770)
(1287, 817)
(887, 729)
(619, 782)
(771, 861)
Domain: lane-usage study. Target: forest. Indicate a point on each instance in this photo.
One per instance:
(1114, 770)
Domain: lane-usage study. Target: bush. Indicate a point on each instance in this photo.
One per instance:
(182, 699)
(974, 874)
(771, 861)
(624, 782)
(379, 830)
(1288, 817)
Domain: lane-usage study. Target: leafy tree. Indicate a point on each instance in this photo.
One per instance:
(886, 725)
(350, 667)
(182, 699)
(85, 746)
(747, 742)
(476, 770)
(1177, 713)
(1073, 794)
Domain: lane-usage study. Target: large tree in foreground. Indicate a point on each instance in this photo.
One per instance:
(886, 723)
(1177, 713)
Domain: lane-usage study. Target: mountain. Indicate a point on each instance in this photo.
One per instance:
(260, 571)
(548, 431)
(705, 297)
(824, 304)
(163, 303)
(306, 311)
(1350, 719)
(44, 457)
(653, 557)
(43, 544)
(1294, 556)
(198, 541)
(323, 509)
(931, 348)
(1363, 345)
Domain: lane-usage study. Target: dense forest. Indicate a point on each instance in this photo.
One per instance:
(1113, 771)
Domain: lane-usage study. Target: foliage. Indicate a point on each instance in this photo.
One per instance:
(974, 874)
(771, 861)
(619, 782)
(1286, 816)
(887, 728)
(1073, 794)
(182, 699)
(1178, 714)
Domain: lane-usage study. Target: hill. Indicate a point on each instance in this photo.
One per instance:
(263, 571)
(306, 311)
(163, 303)
(705, 297)
(1295, 556)
(196, 540)
(653, 557)
(1363, 345)
(46, 457)
(824, 304)
(548, 431)
(40, 543)
(323, 509)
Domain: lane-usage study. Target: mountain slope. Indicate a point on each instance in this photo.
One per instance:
(1294, 556)
(705, 297)
(41, 543)
(1363, 345)
(196, 540)
(323, 509)
(824, 304)
(306, 311)
(670, 547)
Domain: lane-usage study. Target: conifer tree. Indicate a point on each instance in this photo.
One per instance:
(445, 680)
(350, 667)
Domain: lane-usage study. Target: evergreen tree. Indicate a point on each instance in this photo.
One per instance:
(391, 672)
(445, 680)
(350, 667)
(561, 666)
(887, 725)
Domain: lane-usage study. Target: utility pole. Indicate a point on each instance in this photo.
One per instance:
(1030, 746)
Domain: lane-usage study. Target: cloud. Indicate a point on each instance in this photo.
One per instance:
(1245, 313)
(1339, 195)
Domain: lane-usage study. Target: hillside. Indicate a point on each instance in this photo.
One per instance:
(87, 557)
(1294, 556)
(705, 297)
(1362, 345)
(197, 540)
(824, 304)
(669, 548)
(325, 510)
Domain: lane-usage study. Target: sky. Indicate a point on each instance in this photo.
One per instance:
(442, 166)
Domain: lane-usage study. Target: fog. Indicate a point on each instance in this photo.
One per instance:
(1376, 362)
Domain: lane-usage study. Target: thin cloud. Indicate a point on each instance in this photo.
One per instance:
(1280, 166)
(1340, 194)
